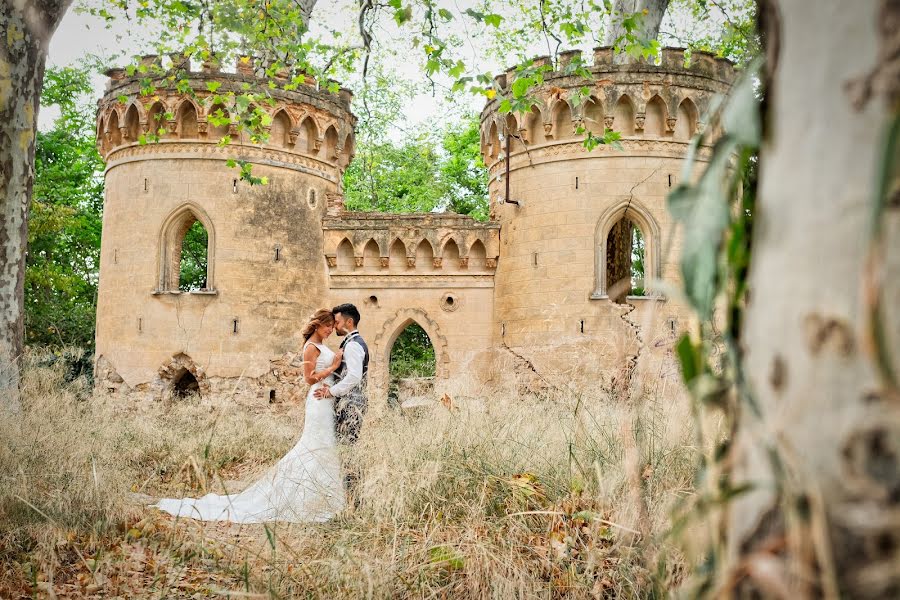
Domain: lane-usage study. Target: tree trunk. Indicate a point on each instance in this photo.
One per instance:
(823, 456)
(26, 27)
(618, 261)
(649, 26)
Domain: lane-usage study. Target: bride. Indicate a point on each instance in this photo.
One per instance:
(305, 485)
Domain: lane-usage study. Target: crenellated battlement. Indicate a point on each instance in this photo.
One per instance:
(309, 122)
(640, 100)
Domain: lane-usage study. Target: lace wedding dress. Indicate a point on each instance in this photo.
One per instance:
(305, 485)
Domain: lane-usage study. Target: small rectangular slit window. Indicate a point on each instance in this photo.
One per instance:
(234, 325)
(234, 186)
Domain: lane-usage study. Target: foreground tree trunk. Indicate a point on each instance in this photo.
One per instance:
(823, 456)
(649, 26)
(618, 260)
(26, 27)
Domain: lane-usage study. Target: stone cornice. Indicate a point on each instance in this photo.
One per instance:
(194, 150)
(573, 149)
(412, 281)
(381, 221)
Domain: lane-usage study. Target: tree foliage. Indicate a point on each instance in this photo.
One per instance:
(424, 173)
(194, 258)
(62, 261)
(412, 354)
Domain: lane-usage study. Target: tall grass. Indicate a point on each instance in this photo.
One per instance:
(496, 497)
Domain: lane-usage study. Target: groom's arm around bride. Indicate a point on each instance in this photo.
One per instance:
(349, 392)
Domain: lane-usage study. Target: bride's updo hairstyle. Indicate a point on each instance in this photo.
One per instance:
(322, 316)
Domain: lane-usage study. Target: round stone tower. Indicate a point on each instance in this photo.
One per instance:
(572, 220)
(264, 269)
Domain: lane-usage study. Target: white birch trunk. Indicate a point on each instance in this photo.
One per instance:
(26, 27)
(832, 422)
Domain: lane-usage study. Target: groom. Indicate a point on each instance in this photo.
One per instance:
(350, 391)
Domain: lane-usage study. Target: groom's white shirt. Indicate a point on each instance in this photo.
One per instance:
(353, 356)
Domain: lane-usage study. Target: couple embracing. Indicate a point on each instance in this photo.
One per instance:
(308, 483)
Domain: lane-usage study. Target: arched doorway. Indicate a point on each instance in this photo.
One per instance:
(412, 365)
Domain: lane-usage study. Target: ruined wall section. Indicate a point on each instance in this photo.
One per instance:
(553, 312)
(266, 272)
(436, 270)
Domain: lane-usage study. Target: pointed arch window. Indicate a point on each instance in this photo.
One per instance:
(187, 252)
(627, 255)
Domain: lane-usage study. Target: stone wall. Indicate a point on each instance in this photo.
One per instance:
(436, 270)
(552, 308)
(266, 273)
(520, 301)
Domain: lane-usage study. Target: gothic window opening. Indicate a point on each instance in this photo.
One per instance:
(412, 365)
(625, 251)
(186, 253)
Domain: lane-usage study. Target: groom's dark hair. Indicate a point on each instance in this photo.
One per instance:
(348, 310)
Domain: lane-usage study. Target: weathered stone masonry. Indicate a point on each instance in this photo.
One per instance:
(525, 292)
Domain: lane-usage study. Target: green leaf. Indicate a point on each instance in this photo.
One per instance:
(740, 117)
(446, 556)
(703, 209)
(493, 20)
(521, 86)
(213, 86)
(689, 357)
(445, 14)
(403, 15)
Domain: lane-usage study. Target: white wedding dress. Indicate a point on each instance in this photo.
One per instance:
(304, 486)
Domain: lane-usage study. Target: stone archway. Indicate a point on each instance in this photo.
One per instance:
(181, 376)
(390, 330)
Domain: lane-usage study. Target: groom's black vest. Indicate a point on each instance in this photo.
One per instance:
(357, 339)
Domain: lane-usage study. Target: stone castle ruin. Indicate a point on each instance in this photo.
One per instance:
(529, 298)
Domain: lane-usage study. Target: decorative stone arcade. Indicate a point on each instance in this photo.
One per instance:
(526, 293)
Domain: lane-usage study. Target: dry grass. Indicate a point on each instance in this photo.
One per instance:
(500, 497)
